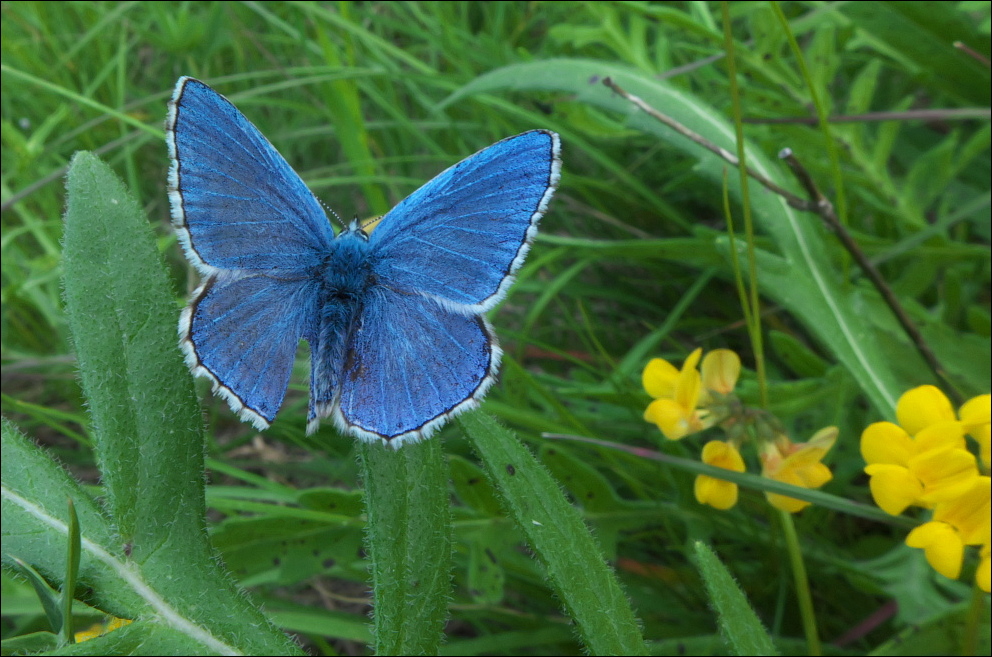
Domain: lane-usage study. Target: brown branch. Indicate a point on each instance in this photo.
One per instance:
(963, 47)
(820, 205)
(790, 198)
(825, 209)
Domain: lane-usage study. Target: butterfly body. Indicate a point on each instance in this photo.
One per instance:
(394, 317)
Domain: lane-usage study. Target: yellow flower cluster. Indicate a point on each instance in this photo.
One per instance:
(683, 398)
(924, 461)
(687, 401)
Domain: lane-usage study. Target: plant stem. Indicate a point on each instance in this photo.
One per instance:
(801, 583)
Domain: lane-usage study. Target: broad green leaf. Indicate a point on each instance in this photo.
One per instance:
(585, 584)
(146, 428)
(30, 644)
(122, 313)
(36, 525)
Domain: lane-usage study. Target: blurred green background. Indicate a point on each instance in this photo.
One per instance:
(369, 100)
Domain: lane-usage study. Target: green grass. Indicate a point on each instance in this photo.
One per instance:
(368, 101)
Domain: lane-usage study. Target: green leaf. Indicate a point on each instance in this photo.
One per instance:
(48, 596)
(472, 487)
(409, 544)
(36, 527)
(73, 549)
(486, 575)
(925, 33)
(587, 587)
(739, 624)
(156, 562)
(941, 634)
(122, 314)
(29, 644)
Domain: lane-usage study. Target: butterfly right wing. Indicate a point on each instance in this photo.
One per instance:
(462, 236)
(236, 203)
(409, 365)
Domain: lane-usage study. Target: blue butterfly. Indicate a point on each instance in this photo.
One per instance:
(394, 317)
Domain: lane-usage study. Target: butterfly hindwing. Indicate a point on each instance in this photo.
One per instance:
(242, 333)
(411, 364)
(236, 203)
(462, 236)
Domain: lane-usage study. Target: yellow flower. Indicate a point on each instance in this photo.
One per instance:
(682, 397)
(920, 407)
(975, 416)
(99, 629)
(942, 546)
(721, 368)
(798, 464)
(923, 462)
(956, 523)
(719, 493)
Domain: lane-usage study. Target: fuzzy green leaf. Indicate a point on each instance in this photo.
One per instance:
(586, 585)
(409, 544)
(739, 624)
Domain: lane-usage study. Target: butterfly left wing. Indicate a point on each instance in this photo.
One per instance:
(241, 332)
(410, 365)
(256, 233)
(461, 237)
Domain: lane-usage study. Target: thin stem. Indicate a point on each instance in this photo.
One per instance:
(754, 302)
(957, 114)
(794, 201)
(735, 261)
(976, 611)
(801, 581)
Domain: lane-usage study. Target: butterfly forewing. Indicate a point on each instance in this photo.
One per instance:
(237, 204)
(462, 236)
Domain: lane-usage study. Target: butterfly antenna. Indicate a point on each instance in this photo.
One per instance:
(371, 221)
(331, 210)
